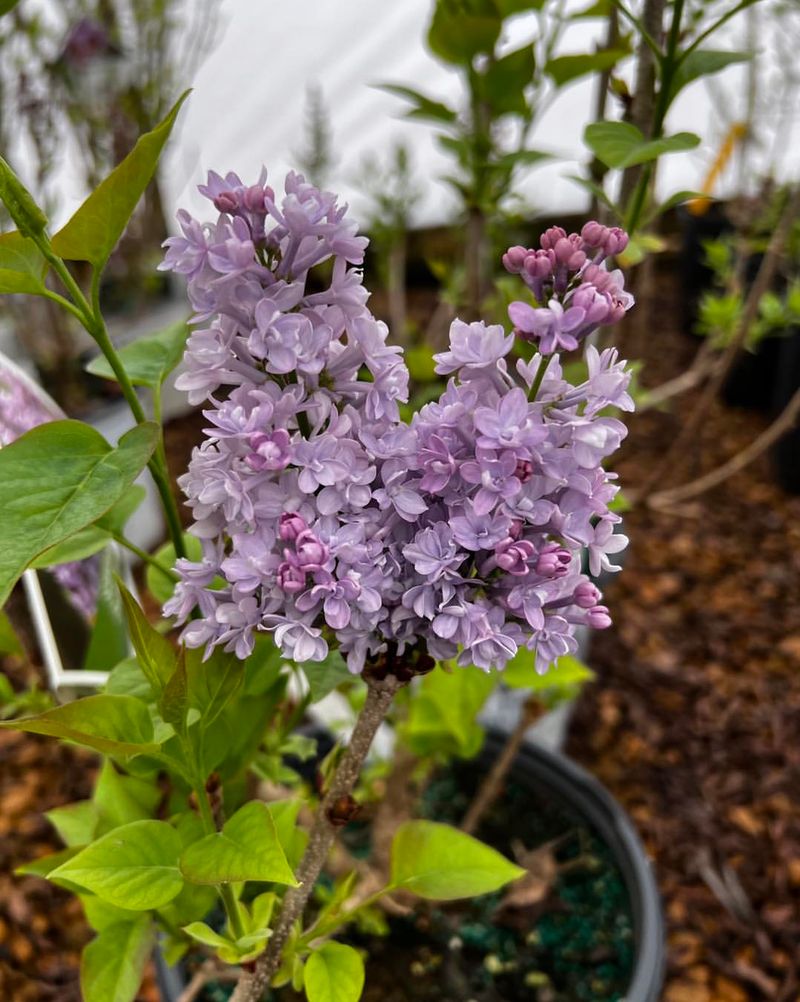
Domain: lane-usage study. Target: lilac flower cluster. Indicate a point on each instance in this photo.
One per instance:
(327, 519)
(575, 293)
(24, 406)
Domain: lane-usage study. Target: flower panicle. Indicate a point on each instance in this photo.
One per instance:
(326, 518)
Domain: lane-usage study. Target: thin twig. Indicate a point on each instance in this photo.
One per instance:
(208, 972)
(703, 365)
(492, 785)
(681, 447)
(785, 421)
(323, 833)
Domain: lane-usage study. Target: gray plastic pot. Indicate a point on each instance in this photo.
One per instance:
(542, 770)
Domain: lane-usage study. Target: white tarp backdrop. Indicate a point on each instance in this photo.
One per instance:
(248, 104)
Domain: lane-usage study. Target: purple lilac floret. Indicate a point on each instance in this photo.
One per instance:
(328, 520)
(24, 406)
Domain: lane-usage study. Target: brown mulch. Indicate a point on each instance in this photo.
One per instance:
(694, 722)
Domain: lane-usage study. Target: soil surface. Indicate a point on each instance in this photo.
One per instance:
(694, 720)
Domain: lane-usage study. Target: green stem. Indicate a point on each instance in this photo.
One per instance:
(544, 361)
(669, 66)
(91, 317)
(229, 901)
(143, 555)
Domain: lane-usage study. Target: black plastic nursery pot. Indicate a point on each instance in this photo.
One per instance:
(557, 949)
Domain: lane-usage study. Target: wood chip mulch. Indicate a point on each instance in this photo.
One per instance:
(694, 720)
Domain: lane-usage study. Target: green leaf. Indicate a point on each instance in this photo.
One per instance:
(122, 799)
(174, 701)
(425, 108)
(702, 63)
(247, 848)
(100, 914)
(202, 933)
(93, 538)
(324, 676)
(108, 643)
(75, 823)
(9, 641)
(157, 657)
(520, 158)
(461, 29)
(505, 81)
(94, 230)
(678, 199)
(212, 684)
(441, 863)
(148, 360)
(7, 5)
(112, 965)
(128, 679)
(82, 544)
(620, 144)
(135, 866)
(443, 710)
(114, 725)
(598, 191)
(44, 865)
(566, 675)
(22, 267)
(57, 479)
(565, 69)
(334, 973)
(161, 586)
(292, 838)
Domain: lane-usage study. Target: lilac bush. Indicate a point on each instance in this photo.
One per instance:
(332, 522)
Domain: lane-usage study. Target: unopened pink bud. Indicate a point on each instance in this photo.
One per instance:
(594, 234)
(290, 526)
(514, 259)
(550, 237)
(586, 595)
(226, 201)
(598, 618)
(254, 198)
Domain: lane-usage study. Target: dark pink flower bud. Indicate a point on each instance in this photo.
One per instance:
(514, 259)
(586, 595)
(537, 264)
(594, 234)
(311, 553)
(290, 526)
(598, 618)
(291, 579)
(254, 198)
(226, 201)
(553, 561)
(524, 470)
(616, 241)
(512, 555)
(550, 237)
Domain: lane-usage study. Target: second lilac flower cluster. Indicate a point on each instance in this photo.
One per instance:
(327, 519)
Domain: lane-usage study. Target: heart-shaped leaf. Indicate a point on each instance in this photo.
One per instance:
(135, 866)
(247, 848)
(620, 144)
(114, 725)
(441, 863)
(113, 963)
(57, 479)
(94, 230)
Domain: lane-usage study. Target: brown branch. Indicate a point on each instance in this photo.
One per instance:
(681, 447)
(323, 833)
(208, 972)
(492, 785)
(785, 421)
(703, 365)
